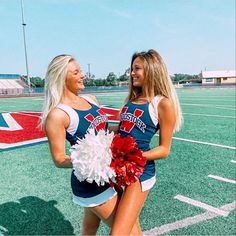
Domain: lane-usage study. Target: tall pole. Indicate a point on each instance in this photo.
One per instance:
(89, 70)
(26, 59)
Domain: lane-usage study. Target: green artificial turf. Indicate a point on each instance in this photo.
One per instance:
(35, 196)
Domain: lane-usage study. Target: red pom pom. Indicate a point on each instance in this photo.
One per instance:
(128, 161)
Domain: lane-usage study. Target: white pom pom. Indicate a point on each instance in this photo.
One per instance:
(91, 157)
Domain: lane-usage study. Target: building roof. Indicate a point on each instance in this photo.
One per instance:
(219, 74)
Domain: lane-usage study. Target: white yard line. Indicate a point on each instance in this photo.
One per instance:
(200, 142)
(222, 179)
(211, 97)
(208, 105)
(38, 99)
(3, 230)
(199, 114)
(20, 102)
(13, 145)
(201, 205)
(205, 99)
(189, 221)
(233, 161)
(11, 106)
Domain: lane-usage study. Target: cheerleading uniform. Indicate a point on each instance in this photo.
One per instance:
(84, 193)
(141, 122)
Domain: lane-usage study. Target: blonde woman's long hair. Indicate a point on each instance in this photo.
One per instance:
(55, 83)
(156, 82)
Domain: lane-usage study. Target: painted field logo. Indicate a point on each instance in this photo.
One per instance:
(18, 129)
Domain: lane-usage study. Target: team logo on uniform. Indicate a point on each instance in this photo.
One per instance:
(97, 123)
(129, 120)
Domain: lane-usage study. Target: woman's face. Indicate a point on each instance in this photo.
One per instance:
(75, 77)
(137, 73)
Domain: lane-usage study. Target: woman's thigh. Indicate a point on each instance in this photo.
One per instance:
(107, 210)
(90, 222)
(129, 209)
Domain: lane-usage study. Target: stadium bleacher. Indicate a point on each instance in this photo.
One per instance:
(11, 84)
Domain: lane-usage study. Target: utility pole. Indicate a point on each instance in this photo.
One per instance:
(26, 59)
(89, 75)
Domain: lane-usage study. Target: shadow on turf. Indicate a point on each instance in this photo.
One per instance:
(33, 216)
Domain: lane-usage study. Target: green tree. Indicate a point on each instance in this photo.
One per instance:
(37, 81)
(111, 80)
(89, 80)
(125, 76)
(184, 78)
(99, 82)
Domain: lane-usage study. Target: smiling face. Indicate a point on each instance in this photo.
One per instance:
(75, 77)
(137, 73)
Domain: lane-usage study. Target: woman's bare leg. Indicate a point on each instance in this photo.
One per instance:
(129, 208)
(90, 222)
(107, 210)
(136, 230)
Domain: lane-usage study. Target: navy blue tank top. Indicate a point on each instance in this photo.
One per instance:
(80, 122)
(141, 122)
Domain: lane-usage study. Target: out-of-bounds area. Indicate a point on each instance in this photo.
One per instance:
(196, 185)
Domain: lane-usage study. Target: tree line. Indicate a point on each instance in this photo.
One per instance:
(113, 80)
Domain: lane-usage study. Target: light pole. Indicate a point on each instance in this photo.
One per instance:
(89, 71)
(26, 60)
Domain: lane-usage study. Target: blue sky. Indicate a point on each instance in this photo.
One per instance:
(191, 35)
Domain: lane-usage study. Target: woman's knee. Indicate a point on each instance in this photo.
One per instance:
(94, 224)
(136, 230)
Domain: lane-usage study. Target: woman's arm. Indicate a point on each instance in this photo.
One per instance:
(167, 119)
(55, 128)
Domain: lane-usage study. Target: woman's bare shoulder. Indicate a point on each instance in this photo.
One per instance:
(165, 103)
(57, 115)
(92, 97)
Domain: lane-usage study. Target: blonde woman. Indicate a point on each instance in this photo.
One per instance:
(151, 105)
(68, 116)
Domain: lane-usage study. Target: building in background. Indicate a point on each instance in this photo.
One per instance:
(218, 77)
(11, 84)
